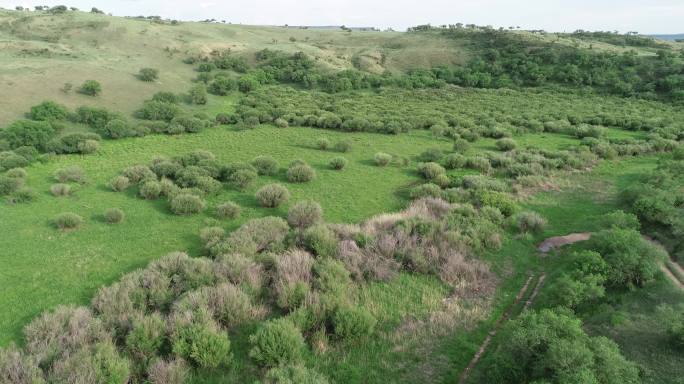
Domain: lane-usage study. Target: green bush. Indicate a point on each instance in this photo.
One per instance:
(138, 173)
(17, 367)
(506, 144)
(198, 94)
(272, 195)
(431, 155)
(203, 345)
(158, 110)
(150, 190)
(9, 185)
(300, 173)
(343, 146)
(321, 240)
(529, 222)
(60, 190)
(277, 343)
(228, 210)
(323, 144)
(119, 183)
(454, 161)
(382, 159)
(265, 165)
(461, 146)
(338, 163)
(552, 347)
(429, 171)
(91, 88)
(72, 173)
(243, 178)
(186, 204)
(68, 220)
(114, 216)
(17, 173)
(351, 323)
(23, 195)
(426, 190)
(88, 146)
(146, 337)
(165, 97)
(23, 133)
(148, 74)
(304, 214)
(117, 129)
(281, 123)
(621, 219)
(168, 372)
(47, 111)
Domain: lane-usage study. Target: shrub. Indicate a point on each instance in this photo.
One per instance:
(148, 74)
(165, 97)
(343, 146)
(506, 144)
(168, 372)
(18, 368)
(138, 173)
(9, 185)
(621, 219)
(228, 210)
(28, 133)
(23, 195)
(68, 220)
(114, 216)
(300, 173)
(461, 146)
(17, 173)
(304, 214)
(382, 159)
(276, 343)
(91, 88)
(529, 222)
(338, 163)
(454, 161)
(431, 155)
(430, 171)
(59, 190)
(323, 144)
(321, 240)
(88, 146)
(150, 190)
(186, 204)
(426, 190)
(9, 160)
(146, 337)
(203, 345)
(198, 94)
(158, 110)
(281, 123)
(265, 165)
(243, 178)
(117, 129)
(272, 195)
(119, 183)
(47, 111)
(292, 278)
(72, 173)
(350, 323)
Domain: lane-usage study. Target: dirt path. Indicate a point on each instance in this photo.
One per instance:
(670, 268)
(559, 241)
(671, 276)
(495, 329)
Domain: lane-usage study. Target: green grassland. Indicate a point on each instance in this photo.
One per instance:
(592, 147)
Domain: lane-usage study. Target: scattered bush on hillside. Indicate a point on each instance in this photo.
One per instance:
(17, 173)
(351, 323)
(72, 173)
(300, 173)
(304, 214)
(430, 171)
(265, 165)
(382, 159)
(91, 88)
(277, 343)
(202, 344)
(173, 371)
(114, 216)
(343, 146)
(323, 144)
(23, 195)
(48, 111)
(9, 185)
(529, 222)
(28, 133)
(148, 74)
(186, 204)
(59, 190)
(506, 144)
(338, 163)
(67, 220)
(150, 190)
(198, 94)
(272, 195)
(294, 373)
(119, 183)
(228, 210)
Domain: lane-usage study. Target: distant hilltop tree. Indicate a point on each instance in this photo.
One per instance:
(95, 10)
(58, 9)
(19, 8)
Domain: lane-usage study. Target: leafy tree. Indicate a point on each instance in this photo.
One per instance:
(48, 110)
(148, 74)
(28, 133)
(198, 94)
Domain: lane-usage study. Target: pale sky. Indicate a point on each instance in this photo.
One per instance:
(644, 16)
